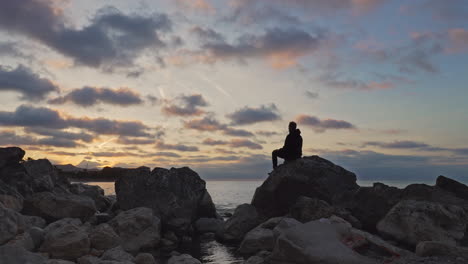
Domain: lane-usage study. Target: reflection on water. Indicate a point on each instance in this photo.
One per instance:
(215, 252)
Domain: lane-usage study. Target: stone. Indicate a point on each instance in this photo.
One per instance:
(283, 225)
(52, 207)
(94, 192)
(183, 259)
(437, 248)
(34, 221)
(42, 174)
(18, 255)
(103, 237)
(244, 219)
(411, 222)
(460, 190)
(23, 240)
(11, 202)
(308, 209)
(66, 240)
(177, 196)
(8, 224)
(315, 242)
(138, 228)
(208, 225)
(117, 254)
(88, 259)
(256, 240)
(312, 177)
(145, 258)
(59, 261)
(10, 155)
(259, 258)
(37, 235)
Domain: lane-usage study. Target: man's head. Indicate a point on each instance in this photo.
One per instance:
(292, 126)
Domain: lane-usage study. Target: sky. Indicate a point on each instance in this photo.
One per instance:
(376, 86)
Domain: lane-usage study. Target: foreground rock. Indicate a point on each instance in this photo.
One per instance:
(18, 255)
(52, 206)
(96, 193)
(10, 155)
(183, 259)
(244, 219)
(411, 222)
(436, 248)
(139, 229)
(177, 196)
(460, 190)
(312, 177)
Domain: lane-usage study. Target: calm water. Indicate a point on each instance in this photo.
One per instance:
(227, 195)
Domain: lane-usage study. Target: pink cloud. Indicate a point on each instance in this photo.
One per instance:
(458, 38)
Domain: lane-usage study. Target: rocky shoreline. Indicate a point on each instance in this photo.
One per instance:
(307, 211)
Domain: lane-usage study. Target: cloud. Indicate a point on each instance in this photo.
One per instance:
(334, 80)
(311, 95)
(458, 38)
(85, 137)
(207, 123)
(282, 48)
(455, 10)
(111, 37)
(267, 133)
(196, 5)
(135, 141)
(166, 154)
(244, 143)
(321, 125)
(237, 132)
(207, 34)
(252, 115)
(10, 138)
(212, 142)
(180, 147)
(23, 80)
(185, 105)
(404, 144)
(89, 96)
(30, 116)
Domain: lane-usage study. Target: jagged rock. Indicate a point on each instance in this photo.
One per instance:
(370, 204)
(94, 192)
(117, 254)
(34, 221)
(284, 224)
(145, 258)
(139, 229)
(103, 237)
(65, 239)
(208, 225)
(23, 240)
(177, 196)
(59, 261)
(244, 219)
(12, 202)
(10, 155)
(460, 190)
(256, 240)
(259, 258)
(308, 209)
(42, 174)
(19, 255)
(183, 259)
(423, 192)
(411, 222)
(315, 242)
(310, 176)
(8, 224)
(53, 206)
(437, 248)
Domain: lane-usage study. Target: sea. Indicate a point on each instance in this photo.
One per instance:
(227, 195)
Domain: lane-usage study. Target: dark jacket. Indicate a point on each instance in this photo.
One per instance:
(293, 145)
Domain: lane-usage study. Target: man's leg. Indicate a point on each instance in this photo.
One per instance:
(274, 158)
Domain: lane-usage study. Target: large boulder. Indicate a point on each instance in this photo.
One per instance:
(8, 224)
(138, 228)
(315, 242)
(437, 248)
(183, 259)
(177, 196)
(103, 237)
(10, 155)
(308, 209)
(370, 204)
(256, 240)
(460, 190)
(42, 174)
(117, 254)
(52, 207)
(244, 219)
(94, 192)
(66, 239)
(411, 222)
(10, 254)
(313, 177)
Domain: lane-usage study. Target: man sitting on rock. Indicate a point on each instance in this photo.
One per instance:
(292, 148)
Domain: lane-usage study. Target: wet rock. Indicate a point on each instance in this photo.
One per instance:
(19, 255)
(103, 237)
(244, 219)
(52, 207)
(183, 259)
(411, 222)
(177, 196)
(117, 254)
(94, 192)
(208, 225)
(256, 240)
(145, 258)
(139, 229)
(312, 177)
(65, 239)
(259, 258)
(437, 248)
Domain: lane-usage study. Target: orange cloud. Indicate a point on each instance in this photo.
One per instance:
(198, 5)
(458, 38)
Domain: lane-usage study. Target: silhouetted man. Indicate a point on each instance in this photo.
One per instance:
(292, 148)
